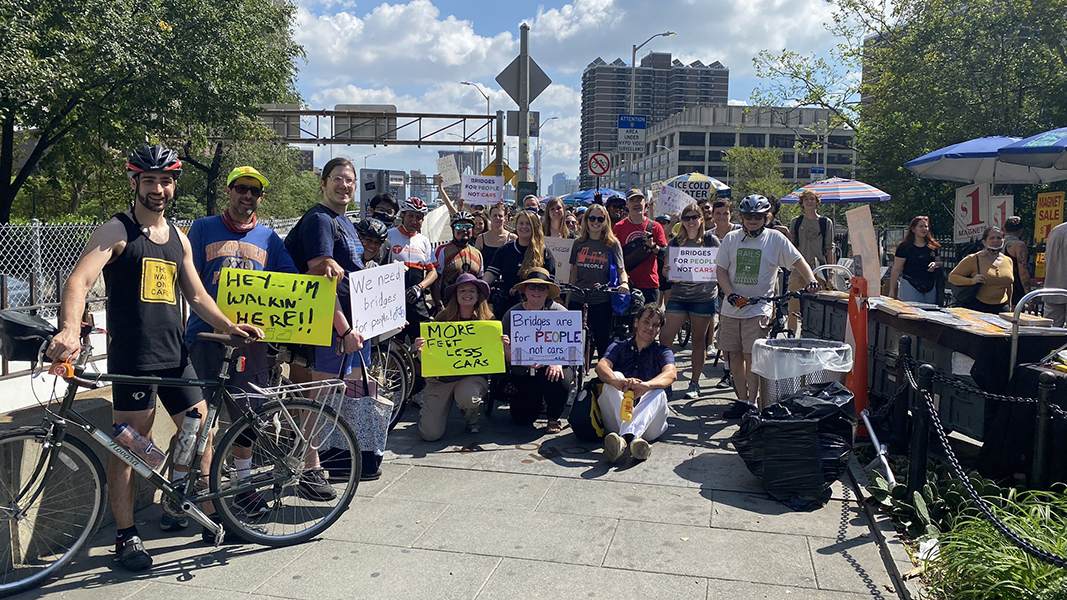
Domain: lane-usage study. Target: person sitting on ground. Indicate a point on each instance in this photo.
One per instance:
(645, 367)
(465, 300)
(539, 385)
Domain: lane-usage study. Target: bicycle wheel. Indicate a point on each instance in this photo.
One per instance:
(45, 518)
(387, 370)
(278, 453)
(684, 333)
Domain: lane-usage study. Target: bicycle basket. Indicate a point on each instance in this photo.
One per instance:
(22, 335)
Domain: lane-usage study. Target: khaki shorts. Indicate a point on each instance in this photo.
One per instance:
(738, 335)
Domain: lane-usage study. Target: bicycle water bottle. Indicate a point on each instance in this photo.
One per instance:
(140, 446)
(185, 448)
(627, 412)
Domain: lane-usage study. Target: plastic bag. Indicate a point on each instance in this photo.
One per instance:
(800, 446)
(785, 358)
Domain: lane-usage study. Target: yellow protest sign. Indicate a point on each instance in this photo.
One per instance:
(1049, 214)
(296, 309)
(462, 348)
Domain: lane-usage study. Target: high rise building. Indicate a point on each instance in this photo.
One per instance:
(664, 87)
(561, 186)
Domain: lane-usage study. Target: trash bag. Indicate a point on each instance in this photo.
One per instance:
(800, 446)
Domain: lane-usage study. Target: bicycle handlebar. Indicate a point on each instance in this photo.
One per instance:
(775, 299)
(566, 287)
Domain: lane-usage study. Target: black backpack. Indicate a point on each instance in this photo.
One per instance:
(294, 245)
(585, 419)
(824, 222)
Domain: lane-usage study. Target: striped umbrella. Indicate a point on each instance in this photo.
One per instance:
(699, 186)
(838, 190)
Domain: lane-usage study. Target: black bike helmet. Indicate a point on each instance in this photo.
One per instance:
(615, 199)
(372, 228)
(153, 158)
(461, 216)
(663, 219)
(754, 204)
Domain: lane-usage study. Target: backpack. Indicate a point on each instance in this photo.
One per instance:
(824, 223)
(295, 246)
(585, 419)
(637, 251)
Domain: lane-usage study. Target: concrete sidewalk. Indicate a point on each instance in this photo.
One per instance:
(515, 513)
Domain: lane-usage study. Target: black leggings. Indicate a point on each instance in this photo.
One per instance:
(599, 322)
(531, 391)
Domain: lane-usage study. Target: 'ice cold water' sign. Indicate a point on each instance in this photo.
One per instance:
(540, 337)
(378, 299)
(290, 308)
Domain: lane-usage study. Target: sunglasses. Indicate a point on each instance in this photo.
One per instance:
(754, 217)
(595, 219)
(537, 287)
(463, 226)
(572, 223)
(691, 217)
(247, 189)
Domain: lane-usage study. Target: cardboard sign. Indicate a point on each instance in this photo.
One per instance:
(972, 212)
(479, 189)
(561, 251)
(546, 337)
(1000, 208)
(446, 167)
(691, 264)
(1049, 214)
(672, 200)
(697, 190)
(864, 242)
(378, 299)
(437, 226)
(462, 348)
(296, 309)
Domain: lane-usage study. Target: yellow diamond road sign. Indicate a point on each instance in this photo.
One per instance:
(490, 171)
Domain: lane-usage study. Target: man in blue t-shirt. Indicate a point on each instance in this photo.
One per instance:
(644, 367)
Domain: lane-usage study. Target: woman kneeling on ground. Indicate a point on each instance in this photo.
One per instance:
(537, 385)
(645, 367)
(465, 300)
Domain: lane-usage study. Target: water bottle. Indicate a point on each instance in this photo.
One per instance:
(627, 412)
(140, 446)
(185, 448)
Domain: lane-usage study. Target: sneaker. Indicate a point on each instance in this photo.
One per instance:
(738, 410)
(640, 449)
(727, 381)
(614, 446)
(250, 503)
(132, 555)
(313, 486)
(473, 427)
(692, 391)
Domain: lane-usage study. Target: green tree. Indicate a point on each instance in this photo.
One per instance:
(756, 171)
(116, 71)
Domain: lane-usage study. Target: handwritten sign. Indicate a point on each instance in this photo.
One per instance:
(290, 308)
(462, 348)
(672, 200)
(1049, 214)
(692, 264)
(546, 337)
(446, 167)
(378, 299)
(479, 189)
(561, 251)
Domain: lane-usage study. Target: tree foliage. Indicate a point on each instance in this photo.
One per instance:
(755, 171)
(93, 74)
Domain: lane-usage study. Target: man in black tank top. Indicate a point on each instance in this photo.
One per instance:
(145, 261)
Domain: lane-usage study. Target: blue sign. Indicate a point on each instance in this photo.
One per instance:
(633, 122)
(818, 171)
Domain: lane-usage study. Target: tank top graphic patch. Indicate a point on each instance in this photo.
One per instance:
(748, 265)
(158, 280)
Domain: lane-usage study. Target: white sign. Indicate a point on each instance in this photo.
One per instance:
(691, 264)
(672, 200)
(446, 167)
(697, 190)
(1000, 208)
(599, 163)
(438, 226)
(546, 337)
(378, 299)
(561, 252)
(972, 212)
(479, 189)
(864, 242)
(631, 136)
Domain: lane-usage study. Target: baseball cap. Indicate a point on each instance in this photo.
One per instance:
(247, 172)
(634, 193)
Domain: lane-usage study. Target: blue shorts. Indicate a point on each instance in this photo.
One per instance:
(327, 360)
(701, 308)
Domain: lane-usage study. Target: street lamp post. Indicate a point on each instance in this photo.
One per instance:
(539, 158)
(488, 138)
(366, 157)
(659, 146)
(633, 73)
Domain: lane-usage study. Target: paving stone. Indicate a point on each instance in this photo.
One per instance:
(386, 521)
(705, 552)
(758, 512)
(520, 534)
(391, 471)
(349, 571)
(469, 488)
(627, 501)
(852, 565)
(518, 579)
(743, 590)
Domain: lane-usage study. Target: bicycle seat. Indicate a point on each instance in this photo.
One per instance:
(234, 341)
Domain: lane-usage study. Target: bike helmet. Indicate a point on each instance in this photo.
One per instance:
(615, 199)
(754, 204)
(414, 204)
(372, 228)
(663, 219)
(153, 158)
(462, 216)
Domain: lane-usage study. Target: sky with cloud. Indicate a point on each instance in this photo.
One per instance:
(414, 55)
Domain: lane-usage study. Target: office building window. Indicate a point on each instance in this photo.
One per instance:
(691, 138)
(721, 139)
(752, 140)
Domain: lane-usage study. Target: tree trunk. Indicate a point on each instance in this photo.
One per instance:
(7, 161)
(77, 189)
(211, 175)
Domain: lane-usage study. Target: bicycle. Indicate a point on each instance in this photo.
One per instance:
(781, 311)
(53, 487)
(587, 340)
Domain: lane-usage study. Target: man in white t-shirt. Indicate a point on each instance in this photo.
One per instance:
(409, 246)
(747, 265)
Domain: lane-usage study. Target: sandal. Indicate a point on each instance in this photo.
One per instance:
(555, 426)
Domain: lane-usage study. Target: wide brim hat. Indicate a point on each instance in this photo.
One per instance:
(483, 287)
(539, 275)
(239, 172)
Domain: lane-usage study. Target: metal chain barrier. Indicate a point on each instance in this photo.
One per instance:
(957, 469)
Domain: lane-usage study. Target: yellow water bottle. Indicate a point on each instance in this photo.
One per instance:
(627, 411)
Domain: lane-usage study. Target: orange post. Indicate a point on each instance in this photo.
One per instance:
(856, 380)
